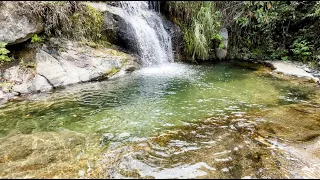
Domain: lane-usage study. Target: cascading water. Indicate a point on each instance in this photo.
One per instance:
(153, 41)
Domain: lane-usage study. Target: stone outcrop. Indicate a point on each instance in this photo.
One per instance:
(288, 68)
(116, 28)
(221, 53)
(16, 28)
(62, 62)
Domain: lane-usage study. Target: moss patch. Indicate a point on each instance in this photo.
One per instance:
(112, 71)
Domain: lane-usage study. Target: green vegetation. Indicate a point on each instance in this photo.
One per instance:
(279, 30)
(112, 71)
(200, 22)
(35, 39)
(301, 50)
(69, 19)
(4, 53)
(86, 24)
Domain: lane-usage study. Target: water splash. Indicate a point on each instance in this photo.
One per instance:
(154, 42)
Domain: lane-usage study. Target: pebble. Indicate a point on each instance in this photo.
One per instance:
(108, 136)
(81, 173)
(225, 170)
(123, 135)
(246, 177)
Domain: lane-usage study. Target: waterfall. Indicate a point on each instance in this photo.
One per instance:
(154, 42)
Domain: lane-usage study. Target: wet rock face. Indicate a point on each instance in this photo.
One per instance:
(16, 28)
(115, 28)
(176, 38)
(62, 62)
(119, 31)
(222, 53)
(113, 3)
(125, 36)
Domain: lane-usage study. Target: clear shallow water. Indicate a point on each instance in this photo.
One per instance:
(180, 118)
(147, 101)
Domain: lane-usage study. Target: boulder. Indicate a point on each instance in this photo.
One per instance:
(62, 62)
(16, 28)
(41, 84)
(289, 68)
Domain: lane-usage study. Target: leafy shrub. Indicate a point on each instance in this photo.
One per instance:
(35, 39)
(277, 27)
(199, 21)
(280, 54)
(301, 50)
(4, 52)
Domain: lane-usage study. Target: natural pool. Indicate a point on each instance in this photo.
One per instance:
(171, 121)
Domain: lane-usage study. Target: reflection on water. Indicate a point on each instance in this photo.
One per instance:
(169, 121)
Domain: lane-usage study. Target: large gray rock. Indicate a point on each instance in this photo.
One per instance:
(41, 84)
(290, 68)
(16, 28)
(63, 62)
(222, 53)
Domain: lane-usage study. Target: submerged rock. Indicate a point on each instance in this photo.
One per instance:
(16, 28)
(43, 154)
(123, 135)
